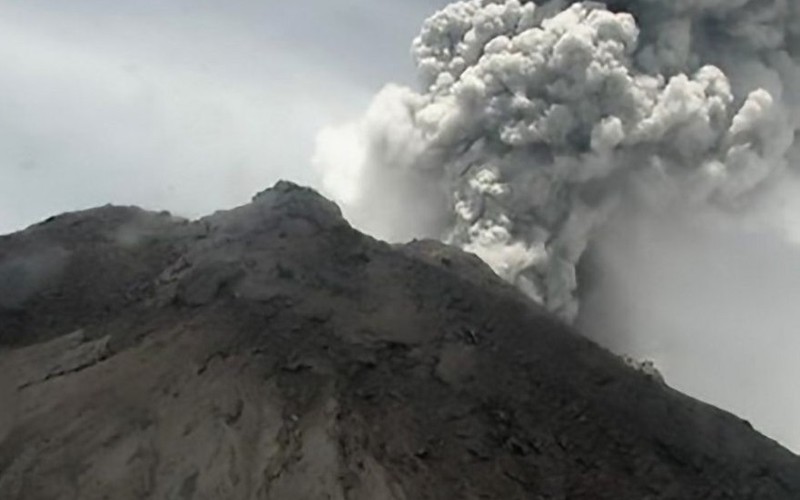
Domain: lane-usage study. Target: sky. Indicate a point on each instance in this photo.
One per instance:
(185, 105)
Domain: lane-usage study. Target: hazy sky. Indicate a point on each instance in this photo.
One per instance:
(186, 105)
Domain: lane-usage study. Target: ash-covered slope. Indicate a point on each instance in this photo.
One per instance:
(273, 352)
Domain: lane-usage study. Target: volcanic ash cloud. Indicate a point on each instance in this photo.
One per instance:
(534, 124)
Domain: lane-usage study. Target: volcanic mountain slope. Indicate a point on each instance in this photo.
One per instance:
(273, 352)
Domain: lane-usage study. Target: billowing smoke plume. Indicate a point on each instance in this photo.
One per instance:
(640, 155)
(535, 122)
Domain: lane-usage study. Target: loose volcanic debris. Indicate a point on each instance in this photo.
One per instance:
(273, 352)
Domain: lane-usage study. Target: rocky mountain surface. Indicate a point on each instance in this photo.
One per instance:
(273, 352)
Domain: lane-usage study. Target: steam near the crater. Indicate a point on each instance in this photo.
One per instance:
(653, 142)
(535, 122)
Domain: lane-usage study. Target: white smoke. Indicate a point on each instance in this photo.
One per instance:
(661, 135)
(535, 122)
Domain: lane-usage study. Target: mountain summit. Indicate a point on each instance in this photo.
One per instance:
(274, 352)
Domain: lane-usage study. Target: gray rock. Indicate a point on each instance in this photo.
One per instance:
(273, 352)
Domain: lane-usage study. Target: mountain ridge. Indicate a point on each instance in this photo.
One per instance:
(272, 351)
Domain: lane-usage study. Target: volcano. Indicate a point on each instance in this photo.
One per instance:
(274, 352)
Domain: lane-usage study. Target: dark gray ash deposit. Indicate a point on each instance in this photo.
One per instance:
(274, 352)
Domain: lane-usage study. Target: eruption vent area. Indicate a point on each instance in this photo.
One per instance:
(538, 128)
(534, 124)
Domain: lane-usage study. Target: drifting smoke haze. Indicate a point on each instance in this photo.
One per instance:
(635, 154)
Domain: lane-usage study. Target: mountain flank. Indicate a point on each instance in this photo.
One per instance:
(274, 352)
